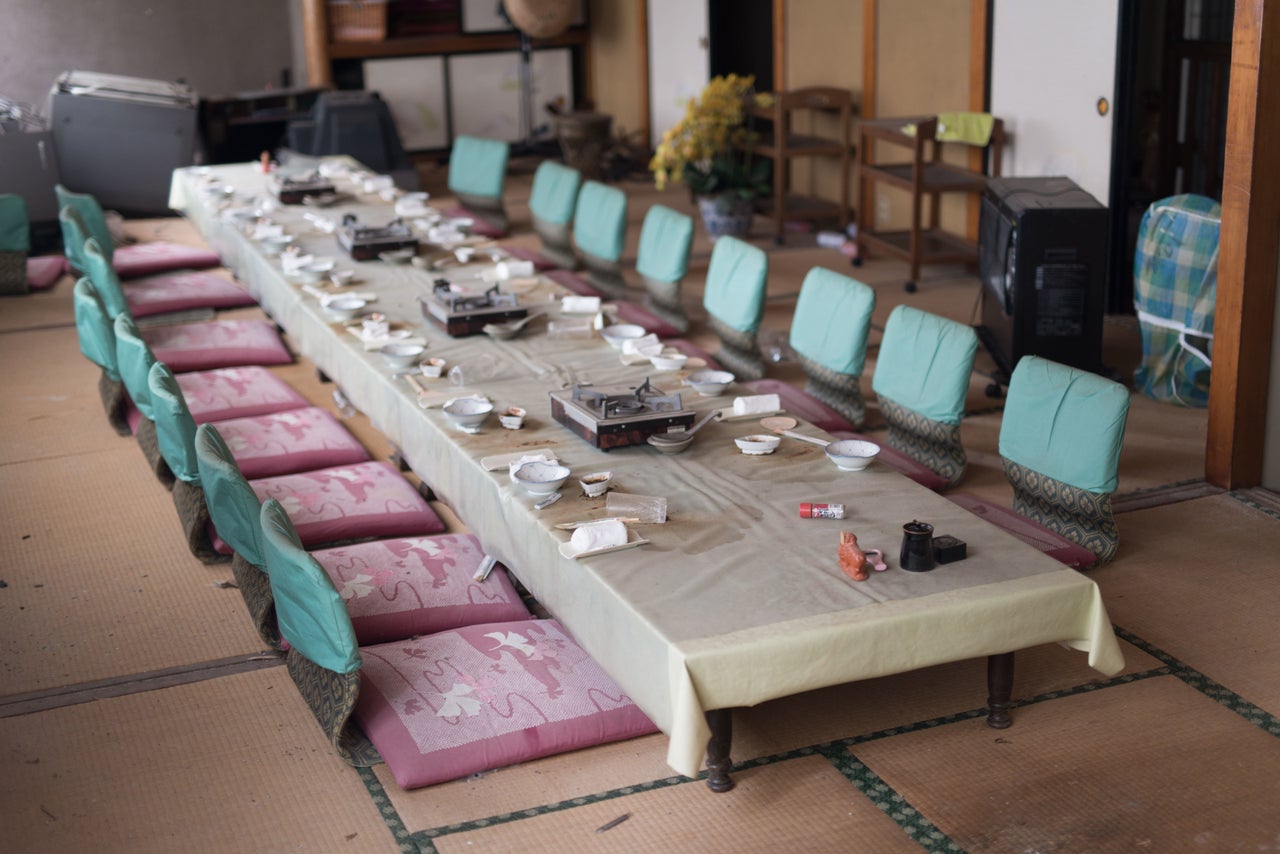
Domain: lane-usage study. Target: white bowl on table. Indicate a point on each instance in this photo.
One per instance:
(401, 355)
(668, 361)
(710, 383)
(540, 478)
(619, 333)
(468, 413)
(852, 454)
(346, 308)
(758, 444)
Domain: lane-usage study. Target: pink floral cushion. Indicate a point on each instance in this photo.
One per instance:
(182, 291)
(216, 344)
(634, 312)
(900, 462)
(481, 697)
(44, 270)
(801, 405)
(350, 503)
(286, 442)
(540, 262)
(159, 256)
(236, 393)
(411, 586)
(578, 284)
(1032, 533)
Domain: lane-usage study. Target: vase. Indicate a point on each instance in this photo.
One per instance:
(723, 215)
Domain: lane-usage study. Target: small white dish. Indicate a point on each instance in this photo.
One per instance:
(512, 418)
(272, 246)
(757, 444)
(342, 278)
(468, 413)
(315, 271)
(596, 484)
(402, 355)
(540, 478)
(620, 333)
(433, 367)
(852, 454)
(345, 308)
(710, 383)
(668, 361)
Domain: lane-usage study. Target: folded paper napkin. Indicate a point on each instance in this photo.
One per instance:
(326, 224)
(580, 305)
(643, 346)
(376, 342)
(292, 262)
(756, 404)
(263, 230)
(514, 269)
(378, 183)
(599, 535)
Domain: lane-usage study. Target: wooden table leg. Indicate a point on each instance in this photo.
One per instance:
(718, 761)
(999, 690)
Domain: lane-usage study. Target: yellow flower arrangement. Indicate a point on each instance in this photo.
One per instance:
(706, 149)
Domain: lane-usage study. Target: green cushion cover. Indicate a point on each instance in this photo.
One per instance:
(1064, 423)
(233, 506)
(600, 221)
(311, 614)
(135, 360)
(92, 218)
(478, 167)
(15, 232)
(736, 279)
(665, 239)
(175, 428)
(831, 321)
(925, 362)
(93, 328)
(555, 192)
(105, 278)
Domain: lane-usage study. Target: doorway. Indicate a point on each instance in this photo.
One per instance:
(740, 33)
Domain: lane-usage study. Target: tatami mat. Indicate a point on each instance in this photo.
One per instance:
(1149, 766)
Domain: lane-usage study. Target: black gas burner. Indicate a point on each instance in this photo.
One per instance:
(619, 416)
(617, 404)
(463, 312)
(366, 243)
(456, 301)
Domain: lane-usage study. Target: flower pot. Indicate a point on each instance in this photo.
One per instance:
(583, 140)
(725, 215)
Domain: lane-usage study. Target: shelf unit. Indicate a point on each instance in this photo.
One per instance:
(784, 145)
(924, 175)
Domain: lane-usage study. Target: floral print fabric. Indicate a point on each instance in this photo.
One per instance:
(182, 291)
(216, 344)
(236, 393)
(158, 256)
(292, 441)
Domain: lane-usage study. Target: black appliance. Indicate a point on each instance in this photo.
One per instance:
(1042, 258)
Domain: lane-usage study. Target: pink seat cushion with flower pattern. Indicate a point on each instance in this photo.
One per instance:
(355, 502)
(227, 393)
(801, 405)
(183, 291)
(286, 442)
(574, 282)
(1054, 545)
(160, 256)
(216, 344)
(900, 462)
(44, 270)
(540, 262)
(411, 586)
(634, 312)
(456, 703)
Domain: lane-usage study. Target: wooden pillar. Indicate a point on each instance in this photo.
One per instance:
(1247, 254)
(779, 45)
(642, 72)
(315, 35)
(979, 16)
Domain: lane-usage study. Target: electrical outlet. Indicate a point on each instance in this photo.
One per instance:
(882, 212)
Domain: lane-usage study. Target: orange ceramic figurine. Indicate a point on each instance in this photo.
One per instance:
(852, 559)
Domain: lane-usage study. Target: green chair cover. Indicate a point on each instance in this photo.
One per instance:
(175, 428)
(555, 192)
(94, 224)
(233, 506)
(736, 278)
(600, 221)
(135, 359)
(311, 614)
(665, 240)
(1064, 423)
(924, 363)
(98, 267)
(478, 167)
(94, 330)
(831, 321)
(15, 231)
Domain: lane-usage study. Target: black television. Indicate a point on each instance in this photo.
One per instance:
(1042, 258)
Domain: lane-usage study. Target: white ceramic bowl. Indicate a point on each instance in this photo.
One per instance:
(275, 245)
(346, 308)
(758, 444)
(317, 271)
(512, 417)
(433, 367)
(669, 361)
(468, 413)
(852, 454)
(710, 383)
(595, 484)
(401, 355)
(540, 478)
(342, 278)
(619, 333)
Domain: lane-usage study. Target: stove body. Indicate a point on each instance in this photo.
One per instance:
(621, 416)
(460, 312)
(365, 243)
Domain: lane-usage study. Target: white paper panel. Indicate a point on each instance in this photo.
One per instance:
(484, 91)
(414, 90)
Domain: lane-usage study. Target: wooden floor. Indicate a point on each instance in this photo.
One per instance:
(138, 711)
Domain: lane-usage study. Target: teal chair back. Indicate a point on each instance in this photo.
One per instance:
(665, 240)
(233, 505)
(478, 168)
(175, 428)
(1060, 440)
(554, 195)
(734, 299)
(98, 268)
(600, 221)
(15, 228)
(94, 329)
(310, 612)
(831, 321)
(922, 382)
(135, 360)
(94, 224)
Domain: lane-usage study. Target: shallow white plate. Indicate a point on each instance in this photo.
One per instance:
(567, 549)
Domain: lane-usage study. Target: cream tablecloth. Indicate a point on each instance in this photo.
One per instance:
(736, 600)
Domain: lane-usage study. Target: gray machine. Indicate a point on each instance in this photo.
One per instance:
(29, 168)
(120, 138)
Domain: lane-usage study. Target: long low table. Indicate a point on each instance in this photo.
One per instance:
(736, 599)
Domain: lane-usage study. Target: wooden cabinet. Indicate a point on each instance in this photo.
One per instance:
(785, 143)
(923, 174)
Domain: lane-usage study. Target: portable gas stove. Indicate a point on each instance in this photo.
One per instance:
(618, 417)
(466, 312)
(364, 243)
(292, 189)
